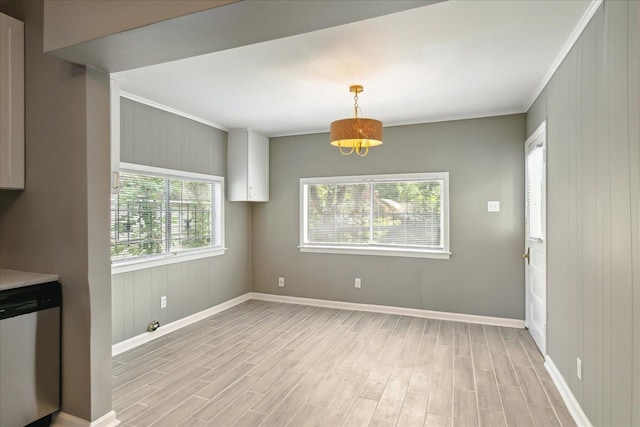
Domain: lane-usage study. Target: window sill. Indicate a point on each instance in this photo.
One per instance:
(407, 253)
(157, 261)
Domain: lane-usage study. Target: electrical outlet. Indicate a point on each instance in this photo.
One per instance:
(163, 302)
(358, 282)
(579, 368)
(281, 282)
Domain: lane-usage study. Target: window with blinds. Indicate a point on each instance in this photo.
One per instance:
(158, 213)
(535, 172)
(401, 215)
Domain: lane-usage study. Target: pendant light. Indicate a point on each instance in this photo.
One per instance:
(357, 134)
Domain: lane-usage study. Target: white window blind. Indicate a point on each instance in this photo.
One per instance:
(376, 213)
(535, 173)
(156, 214)
(138, 217)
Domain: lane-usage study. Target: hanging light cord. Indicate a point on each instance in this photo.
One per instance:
(358, 149)
(356, 107)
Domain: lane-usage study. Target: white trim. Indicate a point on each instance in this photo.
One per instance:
(165, 259)
(145, 337)
(164, 172)
(163, 107)
(580, 26)
(374, 250)
(62, 419)
(570, 400)
(437, 119)
(542, 128)
(392, 177)
(140, 263)
(387, 309)
(114, 92)
(380, 250)
(540, 134)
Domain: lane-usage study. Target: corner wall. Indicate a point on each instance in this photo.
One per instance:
(58, 224)
(485, 275)
(593, 215)
(153, 137)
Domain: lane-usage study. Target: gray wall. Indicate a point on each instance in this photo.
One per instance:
(593, 277)
(58, 224)
(485, 274)
(157, 138)
(102, 19)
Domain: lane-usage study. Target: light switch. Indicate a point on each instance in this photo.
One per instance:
(493, 206)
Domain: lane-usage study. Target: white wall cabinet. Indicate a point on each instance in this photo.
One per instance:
(247, 167)
(11, 103)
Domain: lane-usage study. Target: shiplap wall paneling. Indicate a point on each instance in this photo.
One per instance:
(129, 303)
(175, 295)
(158, 138)
(142, 299)
(117, 308)
(190, 287)
(558, 213)
(591, 108)
(621, 268)
(153, 137)
(587, 140)
(194, 290)
(603, 241)
(171, 148)
(634, 156)
(159, 288)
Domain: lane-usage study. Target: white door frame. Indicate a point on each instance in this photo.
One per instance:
(536, 260)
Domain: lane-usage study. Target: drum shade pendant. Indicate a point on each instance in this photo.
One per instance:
(356, 135)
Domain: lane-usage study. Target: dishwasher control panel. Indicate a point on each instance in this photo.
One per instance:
(16, 302)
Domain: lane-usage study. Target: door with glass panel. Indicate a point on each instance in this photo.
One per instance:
(535, 255)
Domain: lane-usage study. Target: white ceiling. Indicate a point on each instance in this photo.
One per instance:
(449, 60)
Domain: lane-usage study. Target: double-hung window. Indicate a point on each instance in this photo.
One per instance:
(394, 215)
(161, 216)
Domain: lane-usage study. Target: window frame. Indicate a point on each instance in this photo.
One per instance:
(377, 250)
(149, 261)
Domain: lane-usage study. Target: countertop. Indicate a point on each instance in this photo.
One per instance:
(11, 279)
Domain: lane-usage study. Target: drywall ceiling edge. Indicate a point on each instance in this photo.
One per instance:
(225, 27)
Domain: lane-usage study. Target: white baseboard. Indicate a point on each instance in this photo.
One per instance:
(403, 311)
(569, 399)
(62, 419)
(145, 337)
(131, 343)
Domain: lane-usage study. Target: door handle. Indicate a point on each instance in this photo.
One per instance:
(527, 256)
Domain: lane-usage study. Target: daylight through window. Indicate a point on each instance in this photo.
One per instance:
(400, 215)
(157, 213)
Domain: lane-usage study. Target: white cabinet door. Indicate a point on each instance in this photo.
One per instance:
(11, 103)
(258, 168)
(247, 167)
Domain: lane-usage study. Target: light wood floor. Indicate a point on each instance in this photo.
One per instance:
(273, 364)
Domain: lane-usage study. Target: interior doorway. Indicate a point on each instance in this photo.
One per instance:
(535, 255)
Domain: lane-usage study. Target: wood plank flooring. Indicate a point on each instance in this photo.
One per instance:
(273, 364)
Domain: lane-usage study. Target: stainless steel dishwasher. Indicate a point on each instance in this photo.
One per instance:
(29, 354)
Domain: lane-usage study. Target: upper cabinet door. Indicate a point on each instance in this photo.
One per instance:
(247, 167)
(11, 103)
(258, 168)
